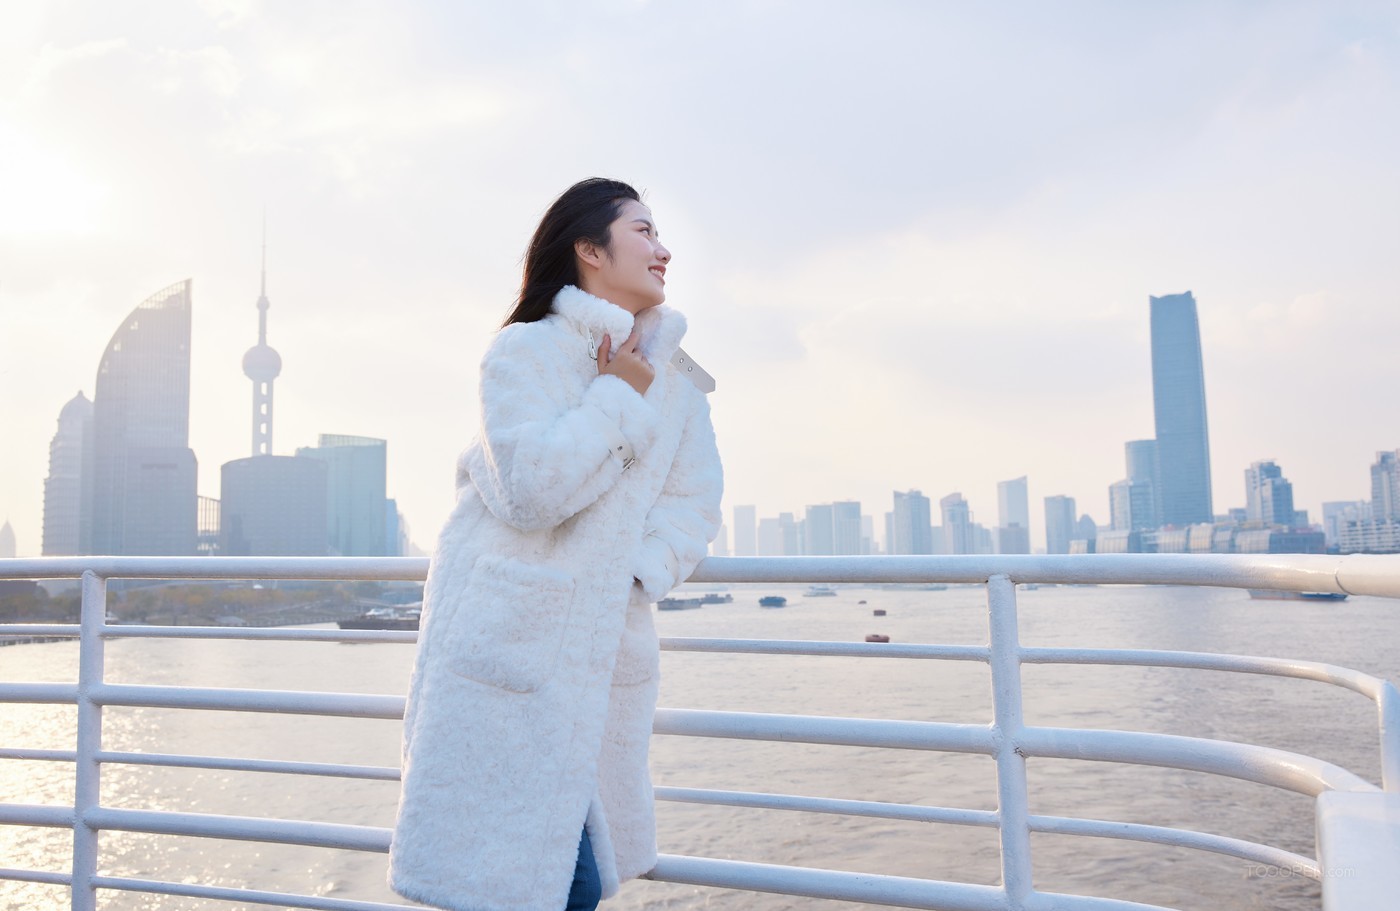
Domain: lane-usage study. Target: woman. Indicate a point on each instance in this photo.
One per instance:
(591, 491)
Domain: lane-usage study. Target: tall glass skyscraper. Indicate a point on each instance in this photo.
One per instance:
(1179, 403)
(957, 525)
(68, 488)
(911, 524)
(143, 492)
(1059, 524)
(356, 477)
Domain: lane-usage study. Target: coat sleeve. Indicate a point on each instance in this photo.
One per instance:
(686, 515)
(540, 459)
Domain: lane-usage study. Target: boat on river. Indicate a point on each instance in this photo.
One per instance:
(1262, 594)
(392, 618)
(772, 601)
(679, 603)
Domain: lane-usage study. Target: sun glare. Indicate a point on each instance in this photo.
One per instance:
(41, 192)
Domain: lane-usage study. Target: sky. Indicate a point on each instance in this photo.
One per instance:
(914, 241)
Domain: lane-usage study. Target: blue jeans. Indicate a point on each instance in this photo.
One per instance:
(587, 890)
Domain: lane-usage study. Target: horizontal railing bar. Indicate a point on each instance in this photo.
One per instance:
(39, 755)
(60, 630)
(1054, 901)
(376, 773)
(281, 633)
(348, 705)
(45, 693)
(1349, 574)
(872, 888)
(1360, 574)
(27, 814)
(1180, 838)
(1052, 825)
(1346, 678)
(47, 877)
(399, 569)
(900, 735)
(813, 647)
(1247, 762)
(221, 893)
(241, 828)
(874, 809)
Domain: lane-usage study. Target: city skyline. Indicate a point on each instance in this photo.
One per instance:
(942, 310)
(834, 527)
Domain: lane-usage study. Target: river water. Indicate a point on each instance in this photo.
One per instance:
(1306, 717)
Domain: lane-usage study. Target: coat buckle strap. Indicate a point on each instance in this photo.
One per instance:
(592, 346)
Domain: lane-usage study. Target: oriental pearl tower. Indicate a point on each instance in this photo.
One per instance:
(262, 365)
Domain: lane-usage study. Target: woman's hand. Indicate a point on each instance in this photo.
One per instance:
(627, 364)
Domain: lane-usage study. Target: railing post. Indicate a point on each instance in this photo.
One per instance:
(1388, 707)
(1012, 793)
(87, 789)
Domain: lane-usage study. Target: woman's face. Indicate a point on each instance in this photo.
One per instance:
(631, 272)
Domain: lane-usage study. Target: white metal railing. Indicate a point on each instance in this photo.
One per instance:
(1348, 805)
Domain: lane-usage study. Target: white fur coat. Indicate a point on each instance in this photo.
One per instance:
(532, 696)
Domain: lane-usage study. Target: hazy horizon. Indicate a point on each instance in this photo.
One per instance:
(915, 244)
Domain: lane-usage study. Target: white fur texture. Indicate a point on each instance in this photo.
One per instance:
(530, 708)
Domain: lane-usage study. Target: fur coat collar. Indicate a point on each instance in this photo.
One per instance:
(662, 327)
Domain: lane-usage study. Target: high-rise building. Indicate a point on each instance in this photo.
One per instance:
(1013, 535)
(144, 472)
(957, 525)
(1013, 539)
(68, 488)
(207, 527)
(276, 506)
(745, 526)
(1141, 459)
(1385, 487)
(819, 528)
(1059, 524)
(356, 477)
(792, 535)
(1336, 515)
(7, 541)
(1179, 407)
(910, 529)
(1013, 503)
(719, 547)
(1086, 536)
(845, 527)
(395, 529)
(1130, 505)
(770, 538)
(1268, 495)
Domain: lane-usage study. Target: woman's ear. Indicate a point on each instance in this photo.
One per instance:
(588, 253)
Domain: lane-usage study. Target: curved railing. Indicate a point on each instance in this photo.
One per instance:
(1358, 822)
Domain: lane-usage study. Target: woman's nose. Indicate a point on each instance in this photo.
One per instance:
(663, 254)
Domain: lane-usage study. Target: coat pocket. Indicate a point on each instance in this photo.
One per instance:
(638, 652)
(509, 628)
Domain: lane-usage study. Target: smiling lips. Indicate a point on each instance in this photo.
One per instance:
(659, 272)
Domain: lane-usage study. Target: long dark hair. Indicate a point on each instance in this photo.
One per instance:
(582, 212)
